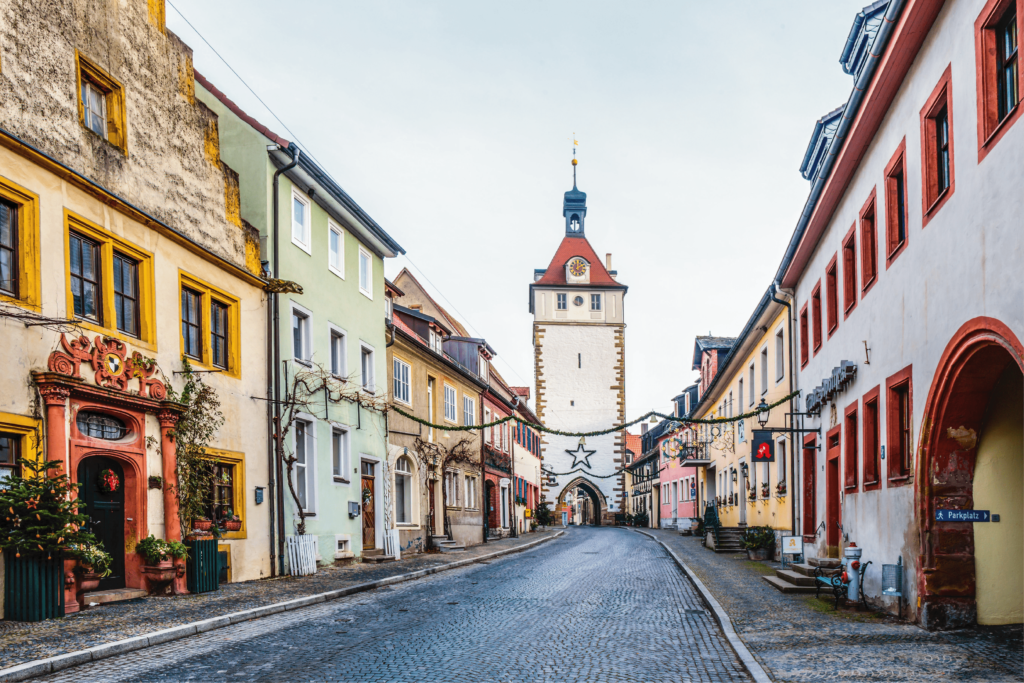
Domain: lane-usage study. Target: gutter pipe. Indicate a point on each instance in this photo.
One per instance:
(279, 474)
(772, 290)
(849, 113)
(270, 431)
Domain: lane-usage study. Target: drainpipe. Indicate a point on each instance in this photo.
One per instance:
(270, 430)
(277, 365)
(794, 446)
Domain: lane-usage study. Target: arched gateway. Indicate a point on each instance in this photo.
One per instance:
(598, 505)
(971, 453)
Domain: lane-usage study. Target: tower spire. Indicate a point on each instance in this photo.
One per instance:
(575, 142)
(574, 206)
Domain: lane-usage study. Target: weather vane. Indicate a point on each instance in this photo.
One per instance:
(575, 143)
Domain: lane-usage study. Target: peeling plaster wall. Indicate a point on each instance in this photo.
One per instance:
(171, 168)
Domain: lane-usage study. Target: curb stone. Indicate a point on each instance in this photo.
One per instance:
(753, 668)
(41, 667)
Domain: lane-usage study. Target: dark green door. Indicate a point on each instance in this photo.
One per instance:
(106, 513)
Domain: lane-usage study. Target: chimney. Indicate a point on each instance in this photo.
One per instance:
(608, 261)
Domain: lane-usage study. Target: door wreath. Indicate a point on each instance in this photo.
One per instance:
(109, 481)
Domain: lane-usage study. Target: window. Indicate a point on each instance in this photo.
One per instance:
(751, 390)
(740, 391)
(468, 411)
(101, 102)
(365, 273)
(850, 271)
(896, 205)
(218, 334)
(191, 332)
(489, 432)
(436, 345)
(99, 426)
(470, 492)
(804, 343)
(220, 504)
(780, 356)
(402, 372)
(595, 302)
(9, 249)
(10, 453)
(870, 440)
(300, 222)
(483, 369)
(366, 367)
(451, 488)
(126, 294)
(852, 443)
(301, 336)
(741, 430)
(937, 148)
(335, 250)
(899, 418)
(780, 460)
(832, 292)
(403, 490)
(304, 454)
(450, 413)
(562, 304)
(868, 245)
(997, 39)
(816, 315)
(942, 149)
(85, 277)
(339, 454)
(338, 353)
(19, 237)
(764, 371)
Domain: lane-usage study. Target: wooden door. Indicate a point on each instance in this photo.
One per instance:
(369, 508)
(105, 510)
(833, 510)
(810, 511)
(432, 521)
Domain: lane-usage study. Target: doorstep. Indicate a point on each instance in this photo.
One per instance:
(112, 595)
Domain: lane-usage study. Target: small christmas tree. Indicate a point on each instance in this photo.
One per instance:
(38, 514)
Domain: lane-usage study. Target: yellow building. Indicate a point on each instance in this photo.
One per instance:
(755, 368)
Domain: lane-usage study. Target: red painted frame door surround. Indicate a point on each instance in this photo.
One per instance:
(833, 487)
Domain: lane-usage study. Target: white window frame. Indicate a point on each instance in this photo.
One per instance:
(306, 226)
(307, 334)
(764, 369)
(780, 355)
(88, 89)
(753, 384)
(741, 430)
(482, 366)
(345, 477)
(368, 290)
(488, 431)
(453, 414)
(451, 484)
(397, 366)
(595, 299)
(410, 507)
(371, 386)
(334, 229)
(310, 423)
(335, 332)
(469, 482)
(468, 411)
(781, 456)
(342, 546)
(561, 301)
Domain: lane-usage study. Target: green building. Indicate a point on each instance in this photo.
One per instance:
(332, 334)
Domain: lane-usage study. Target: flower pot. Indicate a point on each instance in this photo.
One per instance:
(202, 524)
(233, 525)
(759, 554)
(88, 580)
(159, 577)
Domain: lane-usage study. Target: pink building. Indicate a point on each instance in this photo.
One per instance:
(679, 502)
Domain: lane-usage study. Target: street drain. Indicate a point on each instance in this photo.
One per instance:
(403, 610)
(453, 603)
(341, 631)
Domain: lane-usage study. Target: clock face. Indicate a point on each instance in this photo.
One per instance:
(577, 267)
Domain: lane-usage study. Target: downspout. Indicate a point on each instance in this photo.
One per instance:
(270, 435)
(794, 446)
(277, 365)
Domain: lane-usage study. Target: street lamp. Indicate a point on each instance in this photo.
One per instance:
(762, 413)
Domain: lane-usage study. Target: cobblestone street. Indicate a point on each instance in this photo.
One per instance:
(597, 604)
(796, 638)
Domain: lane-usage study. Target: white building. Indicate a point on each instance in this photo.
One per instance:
(906, 270)
(579, 351)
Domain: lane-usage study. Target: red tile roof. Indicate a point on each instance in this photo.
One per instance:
(570, 247)
(633, 443)
(227, 102)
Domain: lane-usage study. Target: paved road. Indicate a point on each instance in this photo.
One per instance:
(598, 604)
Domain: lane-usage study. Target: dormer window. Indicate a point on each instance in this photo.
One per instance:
(435, 342)
(483, 367)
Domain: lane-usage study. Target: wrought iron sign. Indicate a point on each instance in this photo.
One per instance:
(840, 378)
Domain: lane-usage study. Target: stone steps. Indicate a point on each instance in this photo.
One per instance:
(112, 595)
(376, 556)
(786, 587)
(445, 546)
(795, 578)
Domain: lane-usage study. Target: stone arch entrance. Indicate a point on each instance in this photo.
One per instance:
(598, 506)
(961, 426)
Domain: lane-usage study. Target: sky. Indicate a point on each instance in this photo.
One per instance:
(451, 124)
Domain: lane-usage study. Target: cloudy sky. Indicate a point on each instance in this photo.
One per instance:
(451, 122)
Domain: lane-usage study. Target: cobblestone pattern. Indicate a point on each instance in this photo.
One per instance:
(598, 604)
(27, 642)
(794, 642)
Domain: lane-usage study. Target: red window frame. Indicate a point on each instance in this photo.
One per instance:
(868, 245)
(895, 180)
(816, 315)
(850, 444)
(805, 343)
(939, 102)
(832, 294)
(900, 461)
(850, 271)
(810, 471)
(870, 442)
(990, 128)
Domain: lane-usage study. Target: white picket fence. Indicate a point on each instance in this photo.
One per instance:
(301, 555)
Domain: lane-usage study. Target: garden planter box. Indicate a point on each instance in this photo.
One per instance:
(159, 577)
(33, 587)
(201, 567)
(759, 554)
(233, 526)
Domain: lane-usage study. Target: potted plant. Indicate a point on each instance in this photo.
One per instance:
(759, 542)
(156, 481)
(765, 490)
(752, 495)
(202, 523)
(159, 556)
(232, 522)
(154, 551)
(780, 488)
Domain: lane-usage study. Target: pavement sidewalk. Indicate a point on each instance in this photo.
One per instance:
(797, 638)
(26, 642)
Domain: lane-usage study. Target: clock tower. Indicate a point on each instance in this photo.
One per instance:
(579, 341)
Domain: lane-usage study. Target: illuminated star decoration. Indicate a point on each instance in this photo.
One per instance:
(580, 455)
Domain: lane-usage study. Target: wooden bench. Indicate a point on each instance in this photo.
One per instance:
(832, 579)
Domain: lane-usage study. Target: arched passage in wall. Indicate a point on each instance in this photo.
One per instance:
(598, 504)
(968, 435)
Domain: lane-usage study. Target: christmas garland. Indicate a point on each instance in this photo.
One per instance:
(601, 432)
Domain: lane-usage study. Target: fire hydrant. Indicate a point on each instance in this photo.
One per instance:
(851, 558)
